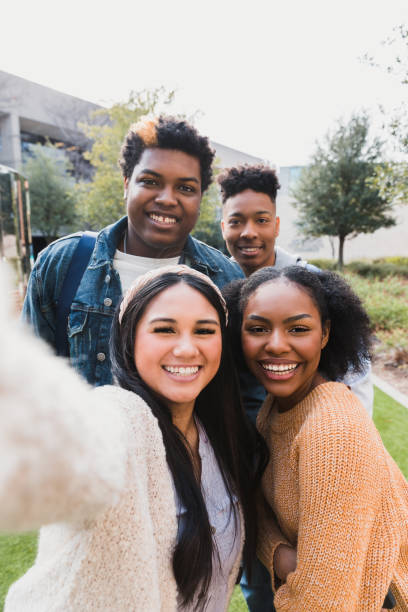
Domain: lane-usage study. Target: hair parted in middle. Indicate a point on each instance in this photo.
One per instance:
(258, 177)
(240, 453)
(350, 337)
(166, 132)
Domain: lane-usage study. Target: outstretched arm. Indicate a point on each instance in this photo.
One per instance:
(62, 445)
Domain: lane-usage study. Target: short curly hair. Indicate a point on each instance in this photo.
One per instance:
(350, 338)
(166, 132)
(258, 177)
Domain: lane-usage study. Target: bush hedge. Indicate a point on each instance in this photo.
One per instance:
(380, 269)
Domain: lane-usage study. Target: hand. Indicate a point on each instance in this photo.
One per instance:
(284, 561)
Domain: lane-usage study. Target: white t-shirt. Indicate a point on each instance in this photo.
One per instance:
(130, 267)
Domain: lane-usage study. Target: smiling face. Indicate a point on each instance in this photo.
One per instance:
(163, 202)
(250, 227)
(178, 345)
(282, 339)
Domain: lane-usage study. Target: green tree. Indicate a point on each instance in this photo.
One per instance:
(51, 191)
(100, 201)
(335, 195)
(208, 228)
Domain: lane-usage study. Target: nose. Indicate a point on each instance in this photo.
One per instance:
(277, 343)
(248, 231)
(185, 347)
(166, 196)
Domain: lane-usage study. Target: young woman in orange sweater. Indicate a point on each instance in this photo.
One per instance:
(334, 515)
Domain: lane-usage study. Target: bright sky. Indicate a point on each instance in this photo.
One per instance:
(270, 78)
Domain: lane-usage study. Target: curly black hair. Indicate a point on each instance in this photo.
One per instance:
(350, 338)
(166, 132)
(258, 177)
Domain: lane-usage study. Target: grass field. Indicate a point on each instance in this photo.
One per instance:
(17, 552)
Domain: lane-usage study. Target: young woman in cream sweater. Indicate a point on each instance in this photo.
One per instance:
(145, 488)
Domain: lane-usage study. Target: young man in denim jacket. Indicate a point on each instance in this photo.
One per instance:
(166, 167)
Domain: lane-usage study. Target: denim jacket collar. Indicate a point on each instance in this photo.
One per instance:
(192, 255)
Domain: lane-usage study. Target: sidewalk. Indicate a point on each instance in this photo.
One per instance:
(390, 390)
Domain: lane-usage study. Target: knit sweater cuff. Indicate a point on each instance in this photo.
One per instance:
(269, 538)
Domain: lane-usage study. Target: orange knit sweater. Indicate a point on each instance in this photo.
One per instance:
(340, 499)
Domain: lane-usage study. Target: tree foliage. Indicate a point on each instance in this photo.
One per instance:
(100, 202)
(335, 195)
(51, 191)
(208, 228)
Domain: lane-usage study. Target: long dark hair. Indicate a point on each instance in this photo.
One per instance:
(350, 338)
(234, 440)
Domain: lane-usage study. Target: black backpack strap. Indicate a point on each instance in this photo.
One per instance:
(75, 272)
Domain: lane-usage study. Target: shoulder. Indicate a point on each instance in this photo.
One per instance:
(66, 244)
(129, 403)
(283, 259)
(336, 417)
(214, 258)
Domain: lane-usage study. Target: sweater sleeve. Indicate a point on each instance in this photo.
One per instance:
(63, 446)
(339, 495)
(269, 538)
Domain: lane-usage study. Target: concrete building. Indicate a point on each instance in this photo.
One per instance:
(31, 113)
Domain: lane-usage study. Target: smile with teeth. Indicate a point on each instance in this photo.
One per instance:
(247, 250)
(280, 368)
(182, 370)
(163, 219)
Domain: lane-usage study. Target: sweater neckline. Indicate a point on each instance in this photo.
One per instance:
(280, 422)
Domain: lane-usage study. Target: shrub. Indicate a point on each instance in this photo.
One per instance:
(386, 301)
(377, 270)
(324, 264)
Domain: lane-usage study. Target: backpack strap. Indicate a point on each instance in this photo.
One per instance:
(75, 272)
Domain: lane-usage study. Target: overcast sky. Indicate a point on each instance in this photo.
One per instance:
(268, 77)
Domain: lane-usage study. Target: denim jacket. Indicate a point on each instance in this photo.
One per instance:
(98, 294)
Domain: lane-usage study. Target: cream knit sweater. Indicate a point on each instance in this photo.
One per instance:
(340, 498)
(91, 466)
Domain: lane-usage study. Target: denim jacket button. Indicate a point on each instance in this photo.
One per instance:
(101, 356)
(107, 302)
(107, 278)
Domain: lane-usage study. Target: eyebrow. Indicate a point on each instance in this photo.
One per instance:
(288, 320)
(258, 212)
(182, 178)
(168, 320)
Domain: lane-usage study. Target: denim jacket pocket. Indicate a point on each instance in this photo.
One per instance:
(81, 340)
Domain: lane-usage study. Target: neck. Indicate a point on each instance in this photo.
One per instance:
(248, 270)
(287, 403)
(133, 245)
(183, 419)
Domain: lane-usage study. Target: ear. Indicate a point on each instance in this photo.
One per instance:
(222, 228)
(125, 187)
(325, 335)
(277, 226)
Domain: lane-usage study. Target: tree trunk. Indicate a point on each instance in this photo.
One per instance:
(340, 262)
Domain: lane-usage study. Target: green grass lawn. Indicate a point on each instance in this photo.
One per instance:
(17, 552)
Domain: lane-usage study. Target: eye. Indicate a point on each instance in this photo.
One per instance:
(298, 329)
(187, 188)
(262, 220)
(233, 222)
(204, 331)
(148, 181)
(256, 329)
(163, 330)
